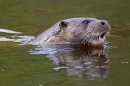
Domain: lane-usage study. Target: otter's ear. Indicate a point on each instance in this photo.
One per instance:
(63, 24)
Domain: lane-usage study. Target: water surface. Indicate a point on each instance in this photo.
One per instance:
(23, 65)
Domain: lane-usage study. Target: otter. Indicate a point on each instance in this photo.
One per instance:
(80, 30)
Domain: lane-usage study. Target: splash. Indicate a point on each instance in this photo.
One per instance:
(15, 37)
(9, 31)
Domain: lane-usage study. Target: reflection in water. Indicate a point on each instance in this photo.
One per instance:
(83, 61)
(80, 60)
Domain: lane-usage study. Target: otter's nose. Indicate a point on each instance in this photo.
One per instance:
(105, 25)
(103, 22)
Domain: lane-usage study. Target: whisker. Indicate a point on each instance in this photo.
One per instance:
(86, 38)
(79, 38)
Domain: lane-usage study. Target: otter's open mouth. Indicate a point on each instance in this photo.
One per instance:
(99, 39)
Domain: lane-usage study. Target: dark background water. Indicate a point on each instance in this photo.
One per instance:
(31, 17)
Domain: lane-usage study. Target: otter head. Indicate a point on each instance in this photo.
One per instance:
(75, 30)
(84, 31)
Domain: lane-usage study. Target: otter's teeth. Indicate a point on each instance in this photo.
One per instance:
(104, 38)
(100, 38)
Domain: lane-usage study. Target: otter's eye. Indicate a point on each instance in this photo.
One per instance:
(86, 22)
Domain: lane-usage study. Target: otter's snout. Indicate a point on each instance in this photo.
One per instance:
(105, 25)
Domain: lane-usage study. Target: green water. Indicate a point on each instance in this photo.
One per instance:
(31, 17)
